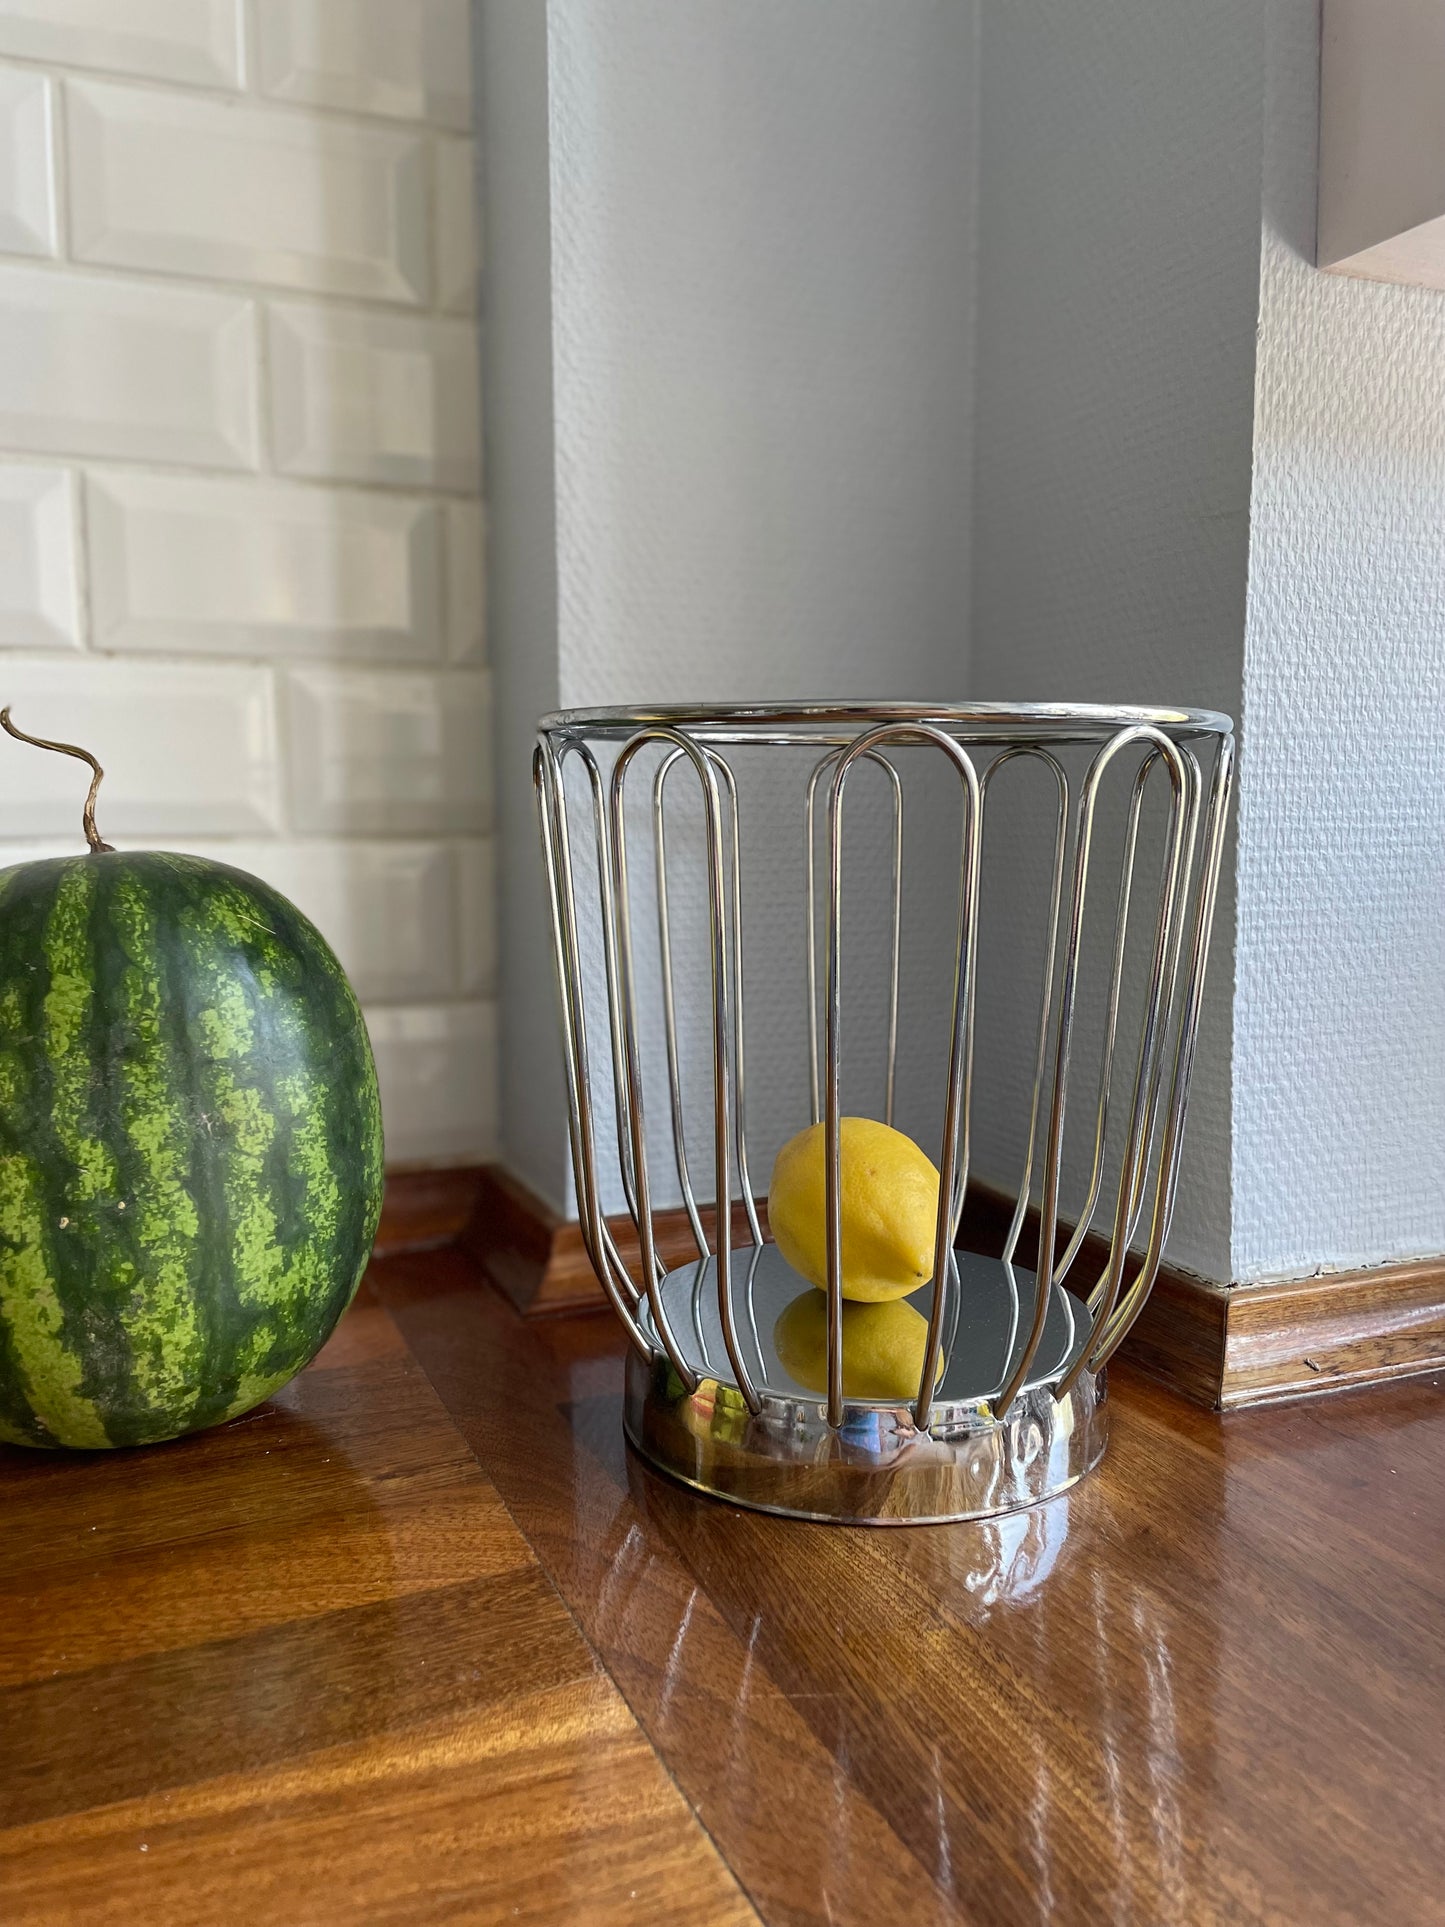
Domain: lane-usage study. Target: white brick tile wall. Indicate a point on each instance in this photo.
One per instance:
(405, 57)
(379, 751)
(37, 849)
(241, 537)
(476, 921)
(189, 185)
(373, 397)
(39, 599)
(466, 548)
(456, 244)
(27, 173)
(430, 1059)
(185, 40)
(92, 366)
(188, 749)
(244, 568)
(388, 910)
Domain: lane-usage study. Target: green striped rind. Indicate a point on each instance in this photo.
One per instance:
(190, 1146)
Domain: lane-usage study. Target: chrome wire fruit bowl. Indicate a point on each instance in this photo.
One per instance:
(720, 989)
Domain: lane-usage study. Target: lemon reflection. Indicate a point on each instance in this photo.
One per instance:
(883, 1347)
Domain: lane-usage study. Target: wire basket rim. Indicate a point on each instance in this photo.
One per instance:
(1101, 717)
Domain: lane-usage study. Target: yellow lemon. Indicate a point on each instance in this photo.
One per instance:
(883, 1347)
(890, 1202)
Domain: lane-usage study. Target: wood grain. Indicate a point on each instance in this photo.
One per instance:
(305, 1667)
(421, 1642)
(1343, 1328)
(554, 1812)
(1204, 1687)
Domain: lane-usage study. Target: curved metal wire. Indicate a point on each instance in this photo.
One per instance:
(717, 912)
(724, 769)
(1135, 1208)
(1162, 1044)
(953, 1164)
(1111, 1022)
(809, 817)
(1116, 1328)
(1051, 944)
(669, 1004)
(1168, 926)
(669, 1000)
(1063, 1035)
(556, 857)
(606, 903)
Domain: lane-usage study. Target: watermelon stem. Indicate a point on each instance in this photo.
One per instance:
(87, 815)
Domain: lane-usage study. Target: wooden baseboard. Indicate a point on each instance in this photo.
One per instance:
(1180, 1335)
(1235, 1345)
(539, 1260)
(423, 1210)
(1222, 1346)
(1344, 1328)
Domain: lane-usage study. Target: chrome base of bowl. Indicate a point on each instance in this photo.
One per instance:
(878, 1467)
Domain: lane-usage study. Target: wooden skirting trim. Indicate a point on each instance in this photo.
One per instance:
(1345, 1328)
(1180, 1334)
(1230, 1346)
(1233, 1345)
(539, 1260)
(1219, 1345)
(422, 1210)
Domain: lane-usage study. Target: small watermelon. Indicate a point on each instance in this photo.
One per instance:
(190, 1144)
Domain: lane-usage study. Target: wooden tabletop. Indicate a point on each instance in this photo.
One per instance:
(420, 1641)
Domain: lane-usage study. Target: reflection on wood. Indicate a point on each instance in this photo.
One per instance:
(1190, 1691)
(305, 1667)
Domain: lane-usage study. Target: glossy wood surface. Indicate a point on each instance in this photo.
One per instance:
(1205, 1687)
(309, 1668)
(305, 1668)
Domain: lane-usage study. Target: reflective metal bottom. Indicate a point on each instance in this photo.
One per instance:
(877, 1468)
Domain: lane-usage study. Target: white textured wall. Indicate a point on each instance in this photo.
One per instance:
(763, 300)
(1117, 297)
(759, 247)
(1163, 511)
(1339, 1054)
(240, 519)
(753, 293)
